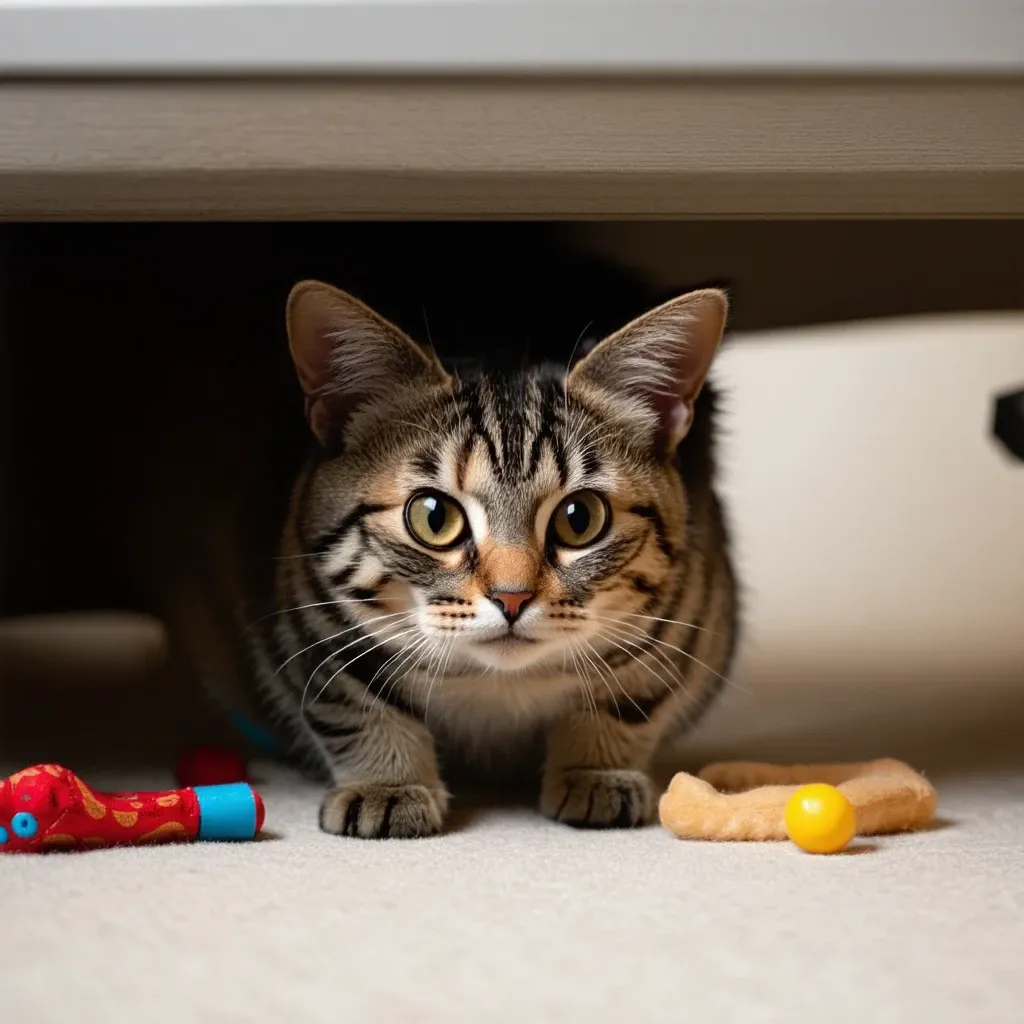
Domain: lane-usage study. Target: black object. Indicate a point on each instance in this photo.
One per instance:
(1008, 422)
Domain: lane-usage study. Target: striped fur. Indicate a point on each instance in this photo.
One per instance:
(378, 650)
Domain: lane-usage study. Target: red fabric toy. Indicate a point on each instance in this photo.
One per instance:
(48, 807)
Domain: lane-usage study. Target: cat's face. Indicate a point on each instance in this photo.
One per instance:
(508, 524)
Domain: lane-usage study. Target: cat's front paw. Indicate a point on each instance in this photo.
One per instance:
(598, 798)
(372, 811)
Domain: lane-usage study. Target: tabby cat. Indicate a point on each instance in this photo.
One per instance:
(469, 557)
(444, 568)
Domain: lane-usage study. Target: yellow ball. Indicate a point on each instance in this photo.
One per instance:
(819, 819)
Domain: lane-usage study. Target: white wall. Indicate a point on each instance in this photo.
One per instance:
(876, 520)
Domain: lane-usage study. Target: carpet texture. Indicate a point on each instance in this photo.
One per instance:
(884, 620)
(510, 918)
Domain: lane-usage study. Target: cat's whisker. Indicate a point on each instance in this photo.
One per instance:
(335, 636)
(568, 365)
(438, 649)
(352, 661)
(419, 650)
(567, 651)
(448, 658)
(585, 686)
(655, 652)
(337, 602)
(615, 678)
(387, 687)
(664, 659)
(430, 651)
(381, 668)
(686, 654)
(677, 622)
(600, 674)
(352, 643)
(426, 652)
(449, 646)
(668, 686)
(433, 656)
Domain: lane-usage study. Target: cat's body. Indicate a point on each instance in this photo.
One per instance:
(465, 563)
(585, 600)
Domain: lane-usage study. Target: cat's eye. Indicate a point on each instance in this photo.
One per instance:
(581, 519)
(435, 520)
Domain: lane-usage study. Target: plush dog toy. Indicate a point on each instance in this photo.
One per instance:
(741, 800)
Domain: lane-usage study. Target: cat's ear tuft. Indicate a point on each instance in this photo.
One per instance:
(349, 358)
(653, 369)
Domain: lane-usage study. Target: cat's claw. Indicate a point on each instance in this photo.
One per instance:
(374, 811)
(599, 798)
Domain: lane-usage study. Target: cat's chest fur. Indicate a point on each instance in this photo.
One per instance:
(483, 707)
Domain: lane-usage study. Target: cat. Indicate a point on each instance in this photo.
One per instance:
(447, 556)
(464, 557)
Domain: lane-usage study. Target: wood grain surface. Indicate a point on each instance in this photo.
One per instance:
(404, 147)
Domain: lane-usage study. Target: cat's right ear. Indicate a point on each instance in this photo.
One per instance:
(348, 358)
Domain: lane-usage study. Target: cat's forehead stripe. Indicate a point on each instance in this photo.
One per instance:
(515, 420)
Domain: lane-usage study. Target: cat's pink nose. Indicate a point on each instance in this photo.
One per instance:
(511, 604)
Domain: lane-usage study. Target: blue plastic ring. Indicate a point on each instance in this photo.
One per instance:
(226, 812)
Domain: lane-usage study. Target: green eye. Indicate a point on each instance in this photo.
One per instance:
(435, 519)
(581, 519)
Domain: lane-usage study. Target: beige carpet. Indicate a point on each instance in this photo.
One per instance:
(885, 620)
(509, 918)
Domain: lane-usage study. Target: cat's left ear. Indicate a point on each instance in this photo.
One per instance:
(652, 370)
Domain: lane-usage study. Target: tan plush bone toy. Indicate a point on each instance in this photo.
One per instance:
(743, 800)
